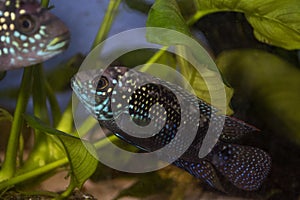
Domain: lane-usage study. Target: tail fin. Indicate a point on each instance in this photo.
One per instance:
(246, 167)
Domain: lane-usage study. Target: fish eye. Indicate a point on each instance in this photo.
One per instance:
(102, 83)
(27, 24)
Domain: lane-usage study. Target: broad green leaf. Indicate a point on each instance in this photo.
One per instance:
(216, 86)
(82, 162)
(271, 84)
(166, 14)
(5, 115)
(275, 22)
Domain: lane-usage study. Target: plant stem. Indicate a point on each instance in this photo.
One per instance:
(55, 109)
(86, 126)
(33, 173)
(45, 3)
(66, 122)
(67, 192)
(105, 141)
(9, 165)
(199, 14)
(154, 58)
(39, 94)
(42, 147)
(107, 21)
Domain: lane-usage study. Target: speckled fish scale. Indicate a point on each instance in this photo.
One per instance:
(29, 34)
(244, 166)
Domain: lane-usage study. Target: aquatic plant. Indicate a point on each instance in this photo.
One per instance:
(275, 24)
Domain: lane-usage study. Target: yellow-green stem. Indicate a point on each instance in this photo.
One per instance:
(201, 13)
(33, 173)
(154, 58)
(107, 21)
(9, 165)
(45, 3)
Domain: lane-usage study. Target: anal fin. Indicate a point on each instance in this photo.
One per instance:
(201, 169)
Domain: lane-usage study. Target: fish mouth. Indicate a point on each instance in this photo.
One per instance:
(83, 97)
(59, 43)
(76, 85)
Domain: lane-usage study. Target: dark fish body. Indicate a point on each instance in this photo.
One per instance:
(244, 166)
(29, 34)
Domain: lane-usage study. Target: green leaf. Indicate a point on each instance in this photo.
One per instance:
(59, 77)
(166, 14)
(66, 122)
(272, 85)
(275, 22)
(2, 75)
(5, 115)
(82, 160)
(36, 123)
(79, 152)
(139, 5)
(45, 149)
(205, 90)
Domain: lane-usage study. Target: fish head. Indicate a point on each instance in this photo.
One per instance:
(29, 34)
(94, 88)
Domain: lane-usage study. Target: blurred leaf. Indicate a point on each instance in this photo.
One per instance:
(59, 78)
(45, 149)
(205, 89)
(10, 93)
(82, 162)
(2, 75)
(166, 14)
(135, 58)
(182, 184)
(275, 22)
(147, 185)
(139, 5)
(5, 115)
(271, 83)
(66, 123)
(187, 8)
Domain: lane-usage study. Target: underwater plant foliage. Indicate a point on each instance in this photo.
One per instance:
(264, 77)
